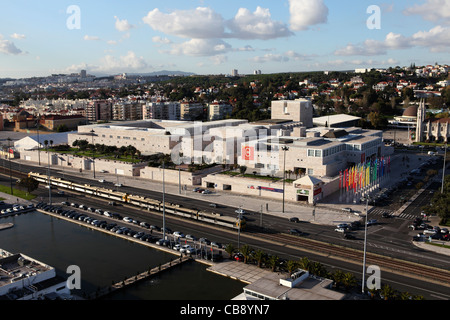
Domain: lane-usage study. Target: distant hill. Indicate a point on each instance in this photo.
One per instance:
(162, 73)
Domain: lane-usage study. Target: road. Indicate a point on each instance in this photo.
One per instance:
(383, 238)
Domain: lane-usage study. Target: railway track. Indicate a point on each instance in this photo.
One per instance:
(393, 265)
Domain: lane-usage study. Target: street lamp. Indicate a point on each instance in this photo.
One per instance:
(49, 182)
(93, 151)
(365, 243)
(9, 160)
(284, 148)
(39, 142)
(164, 202)
(443, 169)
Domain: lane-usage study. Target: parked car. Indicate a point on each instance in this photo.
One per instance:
(187, 249)
(145, 225)
(372, 222)
(127, 219)
(207, 192)
(178, 234)
(162, 242)
(295, 232)
(347, 209)
(191, 237)
(238, 257)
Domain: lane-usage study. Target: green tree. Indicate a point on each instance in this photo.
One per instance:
(246, 251)
(349, 281)
(28, 183)
(259, 256)
(387, 292)
(273, 262)
(230, 249)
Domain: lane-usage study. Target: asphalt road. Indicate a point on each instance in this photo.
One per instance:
(389, 236)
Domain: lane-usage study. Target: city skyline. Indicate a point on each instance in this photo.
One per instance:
(203, 37)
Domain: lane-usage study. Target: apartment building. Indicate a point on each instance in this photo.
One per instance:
(98, 110)
(127, 111)
(191, 110)
(299, 110)
(218, 110)
(162, 110)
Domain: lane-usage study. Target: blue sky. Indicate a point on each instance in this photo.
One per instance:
(214, 37)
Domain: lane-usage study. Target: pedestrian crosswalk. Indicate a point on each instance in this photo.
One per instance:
(379, 212)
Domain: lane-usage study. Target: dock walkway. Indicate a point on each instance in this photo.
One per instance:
(134, 279)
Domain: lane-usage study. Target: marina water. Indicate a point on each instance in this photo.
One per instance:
(104, 259)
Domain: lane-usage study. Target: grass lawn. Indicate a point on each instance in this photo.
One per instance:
(17, 192)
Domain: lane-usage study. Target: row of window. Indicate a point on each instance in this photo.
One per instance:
(125, 138)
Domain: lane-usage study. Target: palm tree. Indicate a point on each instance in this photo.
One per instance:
(337, 277)
(405, 296)
(259, 256)
(291, 265)
(373, 291)
(230, 249)
(304, 263)
(246, 252)
(348, 281)
(387, 292)
(273, 262)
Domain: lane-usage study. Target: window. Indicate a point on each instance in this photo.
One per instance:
(310, 171)
(318, 153)
(310, 153)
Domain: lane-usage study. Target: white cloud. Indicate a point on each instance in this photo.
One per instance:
(218, 59)
(436, 39)
(18, 36)
(297, 56)
(199, 23)
(437, 11)
(122, 25)
(305, 13)
(158, 39)
(129, 62)
(270, 57)
(8, 47)
(91, 38)
(256, 25)
(201, 47)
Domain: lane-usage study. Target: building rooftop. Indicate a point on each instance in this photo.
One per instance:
(271, 286)
(17, 267)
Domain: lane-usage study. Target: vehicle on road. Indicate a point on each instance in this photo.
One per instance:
(339, 230)
(294, 219)
(178, 234)
(295, 232)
